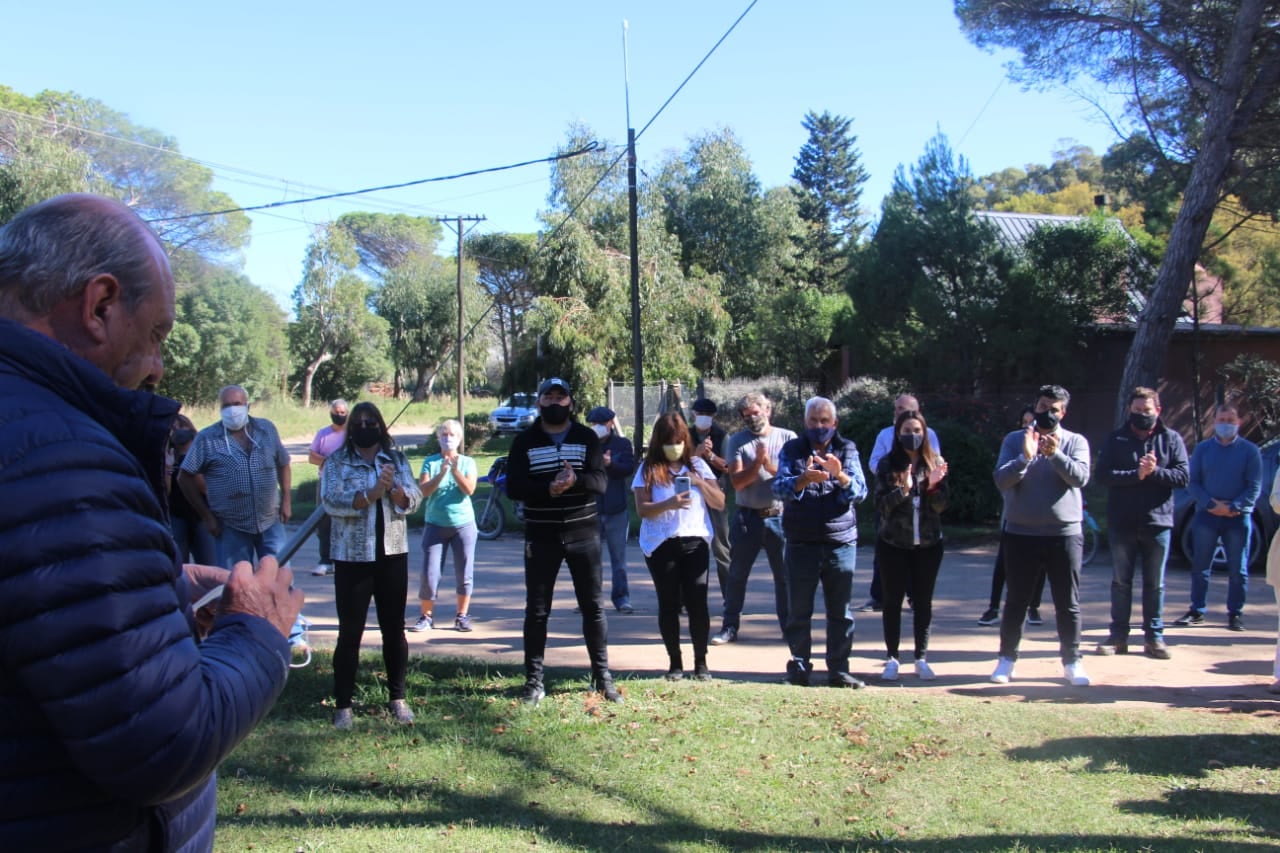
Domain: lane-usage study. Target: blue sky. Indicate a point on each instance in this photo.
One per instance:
(293, 99)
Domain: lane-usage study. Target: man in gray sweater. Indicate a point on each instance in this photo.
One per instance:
(1040, 472)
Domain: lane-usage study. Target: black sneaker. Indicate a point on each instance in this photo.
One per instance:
(1235, 623)
(798, 672)
(845, 679)
(533, 692)
(701, 673)
(605, 687)
(870, 606)
(727, 635)
(989, 617)
(1191, 617)
(1033, 616)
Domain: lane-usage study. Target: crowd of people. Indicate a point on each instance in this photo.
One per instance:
(145, 612)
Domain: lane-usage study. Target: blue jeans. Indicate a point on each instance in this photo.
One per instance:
(748, 533)
(808, 564)
(1205, 531)
(1150, 547)
(236, 545)
(613, 536)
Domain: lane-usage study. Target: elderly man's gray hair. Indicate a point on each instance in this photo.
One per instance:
(813, 404)
(51, 250)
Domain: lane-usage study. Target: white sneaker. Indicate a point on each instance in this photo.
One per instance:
(342, 721)
(1075, 675)
(924, 672)
(322, 570)
(1004, 671)
(890, 671)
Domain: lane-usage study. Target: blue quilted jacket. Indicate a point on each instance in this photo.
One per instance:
(112, 717)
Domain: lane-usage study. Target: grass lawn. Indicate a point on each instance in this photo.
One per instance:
(740, 766)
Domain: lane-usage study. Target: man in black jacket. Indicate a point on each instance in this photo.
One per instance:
(1141, 464)
(557, 468)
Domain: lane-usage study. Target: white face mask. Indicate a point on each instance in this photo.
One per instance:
(601, 430)
(702, 422)
(447, 441)
(235, 417)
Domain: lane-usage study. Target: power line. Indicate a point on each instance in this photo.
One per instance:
(590, 146)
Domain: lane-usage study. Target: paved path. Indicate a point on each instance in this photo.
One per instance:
(1211, 667)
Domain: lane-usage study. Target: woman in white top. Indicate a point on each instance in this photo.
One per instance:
(673, 492)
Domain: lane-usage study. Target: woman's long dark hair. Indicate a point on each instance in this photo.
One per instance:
(668, 429)
(370, 411)
(898, 458)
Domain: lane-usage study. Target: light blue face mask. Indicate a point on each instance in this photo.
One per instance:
(1226, 432)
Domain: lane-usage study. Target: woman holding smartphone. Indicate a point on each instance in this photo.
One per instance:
(674, 491)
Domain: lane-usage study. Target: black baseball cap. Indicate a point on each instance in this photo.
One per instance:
(703, 406)
(554, 382)
(600, 415)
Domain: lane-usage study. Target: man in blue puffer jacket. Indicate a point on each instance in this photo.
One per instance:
(113, 716)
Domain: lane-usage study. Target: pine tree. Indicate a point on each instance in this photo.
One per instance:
(829, 176)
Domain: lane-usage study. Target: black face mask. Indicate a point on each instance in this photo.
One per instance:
(555, 415)
(911, 440)
(182, 437)
(338, 420)
(366, 436)
(1047, 421)
(1142, 422)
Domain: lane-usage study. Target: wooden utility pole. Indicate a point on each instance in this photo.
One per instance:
(456, 224)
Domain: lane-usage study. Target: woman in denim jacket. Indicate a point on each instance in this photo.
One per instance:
(910, 495)
(369, 490)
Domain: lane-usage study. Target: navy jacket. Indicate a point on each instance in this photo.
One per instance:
(823, 512)
(622, 464)
(112, 717)
(1134, 503)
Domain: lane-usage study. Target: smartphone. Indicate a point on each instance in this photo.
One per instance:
(682, 484)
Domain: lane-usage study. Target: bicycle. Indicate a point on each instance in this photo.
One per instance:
(1092, 536)
(491, 513)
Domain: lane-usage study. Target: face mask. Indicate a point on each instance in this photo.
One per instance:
(702, 422)
(820, 436)
(447, 441)
(673, 451)
(757, 423)
(1047, 421)
(602, 431)
(182, 437)
(555, 415)
(912, 440)
(1142, 422)
(1226, 432)
(366, 436)
(235, 417)
(338, 420)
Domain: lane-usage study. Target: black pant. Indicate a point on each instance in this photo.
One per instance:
(997, 582)
(908, 572)
(679, 568)
(386, 581)
(1029, 559)
(541, 565)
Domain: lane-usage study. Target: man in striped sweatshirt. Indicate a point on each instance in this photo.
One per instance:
(556, 467)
